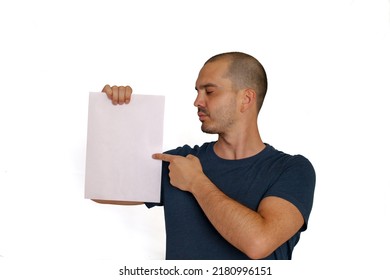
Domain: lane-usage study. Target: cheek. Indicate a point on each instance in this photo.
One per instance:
(223, 107)
(226, 112)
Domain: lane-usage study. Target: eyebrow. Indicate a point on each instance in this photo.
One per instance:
(205, 86)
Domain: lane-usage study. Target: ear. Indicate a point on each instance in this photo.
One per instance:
(248, 99)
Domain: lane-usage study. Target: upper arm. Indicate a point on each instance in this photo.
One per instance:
(282, 220)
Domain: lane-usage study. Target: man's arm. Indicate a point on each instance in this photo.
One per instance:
(257, 234)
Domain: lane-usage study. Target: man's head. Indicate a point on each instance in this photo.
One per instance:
(231, 89)
(245, 71)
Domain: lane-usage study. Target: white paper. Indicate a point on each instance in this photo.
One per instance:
(120, 142)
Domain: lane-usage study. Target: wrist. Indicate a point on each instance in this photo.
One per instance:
(202, 186)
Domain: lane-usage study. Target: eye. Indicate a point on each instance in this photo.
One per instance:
(209, 90)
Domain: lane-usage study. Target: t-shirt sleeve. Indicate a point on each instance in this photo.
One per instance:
(165, 181)
(296, 184)
(164, 177)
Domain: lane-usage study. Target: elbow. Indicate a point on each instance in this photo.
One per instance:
(257, 254)
(258, 248)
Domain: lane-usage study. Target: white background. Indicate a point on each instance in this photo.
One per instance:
(328, 65)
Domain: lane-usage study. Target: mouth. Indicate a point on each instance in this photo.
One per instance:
(202, 118)
(202, 115)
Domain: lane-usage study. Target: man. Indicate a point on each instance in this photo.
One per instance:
(236, 198)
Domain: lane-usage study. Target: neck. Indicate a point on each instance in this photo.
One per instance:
(240, 144)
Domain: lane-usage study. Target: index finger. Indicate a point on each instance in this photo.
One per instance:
(164, 157)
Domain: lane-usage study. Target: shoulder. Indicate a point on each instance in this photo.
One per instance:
(287, 161)
(291, 176)
(301, 163)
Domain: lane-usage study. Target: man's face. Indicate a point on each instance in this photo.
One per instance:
(216, 101)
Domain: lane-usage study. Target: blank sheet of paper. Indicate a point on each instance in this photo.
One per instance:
(120, 142)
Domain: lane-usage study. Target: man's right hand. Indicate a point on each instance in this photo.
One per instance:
(118, 95)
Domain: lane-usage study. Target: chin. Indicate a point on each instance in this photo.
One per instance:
(208, 130)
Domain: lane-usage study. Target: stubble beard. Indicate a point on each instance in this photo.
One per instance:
(221, 120)
(218, 125)
(207, 129)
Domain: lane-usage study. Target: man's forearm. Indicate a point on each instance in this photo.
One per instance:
(239, 225)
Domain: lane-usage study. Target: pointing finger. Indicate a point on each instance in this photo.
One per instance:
(164, 157)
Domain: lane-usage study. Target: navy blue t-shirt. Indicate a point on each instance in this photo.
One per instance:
(190, 235)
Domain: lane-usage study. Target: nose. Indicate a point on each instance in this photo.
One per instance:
(199, 101)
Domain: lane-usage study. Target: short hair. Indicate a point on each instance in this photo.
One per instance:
(245, 71)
